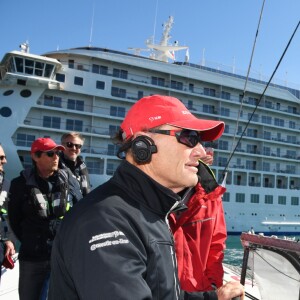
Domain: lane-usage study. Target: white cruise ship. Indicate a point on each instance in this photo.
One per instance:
(90, 89)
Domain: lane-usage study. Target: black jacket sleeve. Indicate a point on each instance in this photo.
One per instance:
(15, 200)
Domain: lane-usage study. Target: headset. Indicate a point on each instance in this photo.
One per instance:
(142, 148)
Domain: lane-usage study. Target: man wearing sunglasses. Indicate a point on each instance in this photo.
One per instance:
(39, 199)
(119, 237)
(70, 158)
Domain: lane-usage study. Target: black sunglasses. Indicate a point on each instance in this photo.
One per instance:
(2, 157)
(71, 145)
(186, 137)
(51, 153)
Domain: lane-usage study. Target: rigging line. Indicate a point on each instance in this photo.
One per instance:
(153, 41)
(261, 96)
(290, 277)
(247, 76)
(92, 26)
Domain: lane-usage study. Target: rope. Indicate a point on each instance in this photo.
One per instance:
(261, 96)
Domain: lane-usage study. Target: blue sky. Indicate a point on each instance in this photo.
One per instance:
(220, 31)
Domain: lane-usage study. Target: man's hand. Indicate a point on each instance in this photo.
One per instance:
(10, 248)
(231, 290)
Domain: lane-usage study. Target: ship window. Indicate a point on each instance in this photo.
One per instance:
(103, 70)
(19, 64)
(157, 81)
(95, 167)
(254, 198)
(177, 85)
(279, 122)
(8, 92)
(292, 124)
(223, 145)
(266, 166)
(117, 111)
(39, 68)
(74, 125)
(71, 63)
(140, 94)
(29, 64)
(208, 108)
(25, 140)
(78, 80)
(267, 135)
(48, 70)
(60, 77)
(225, 95)
(76, 104)
(118, 92)
(51, 122)
(222, 161)
(209, 92)
(282, 200)
(295, 201)
(226, 197)
(268, 199)
(113, 129)
(25, 93)
(112, 149)
(26, 160)
(52, 101)
(252, 101)
(95, 68)
(240, 198)
(5, 112)
(120, 73)
(226, 130)
(225, 111)
(266, 119)
(100, 85)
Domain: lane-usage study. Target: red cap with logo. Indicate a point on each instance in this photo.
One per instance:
(45, 145)
(157, 110)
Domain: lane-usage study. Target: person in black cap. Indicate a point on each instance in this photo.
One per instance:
(117, 243)
(39, 199)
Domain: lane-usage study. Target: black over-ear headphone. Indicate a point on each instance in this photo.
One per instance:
(142, 148)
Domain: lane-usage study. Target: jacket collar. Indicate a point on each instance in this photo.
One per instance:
(145, 190)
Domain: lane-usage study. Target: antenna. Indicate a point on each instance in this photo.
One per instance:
(155, 22)
(92, 25)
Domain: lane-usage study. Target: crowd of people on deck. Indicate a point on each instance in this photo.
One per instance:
(155, 230)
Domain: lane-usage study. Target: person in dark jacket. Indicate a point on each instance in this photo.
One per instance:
(117, 243)
(7, 239)
(38, 200)
(70, 158)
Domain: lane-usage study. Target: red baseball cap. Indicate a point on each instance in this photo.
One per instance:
(45, 145)
(157, 110)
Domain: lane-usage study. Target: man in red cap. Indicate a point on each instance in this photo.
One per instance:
(39, 199)
(117, 243)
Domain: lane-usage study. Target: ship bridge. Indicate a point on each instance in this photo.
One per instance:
(26, 69)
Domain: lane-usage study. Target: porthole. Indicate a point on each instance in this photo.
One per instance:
(25, 93)
(5, 112)
(8, 92)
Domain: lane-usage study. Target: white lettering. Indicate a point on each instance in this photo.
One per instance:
(107, 235)
(109, 243)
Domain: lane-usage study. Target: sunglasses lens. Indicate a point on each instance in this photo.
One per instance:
(2, 157)
(71, 145)
(51, 153)
(189, 138)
